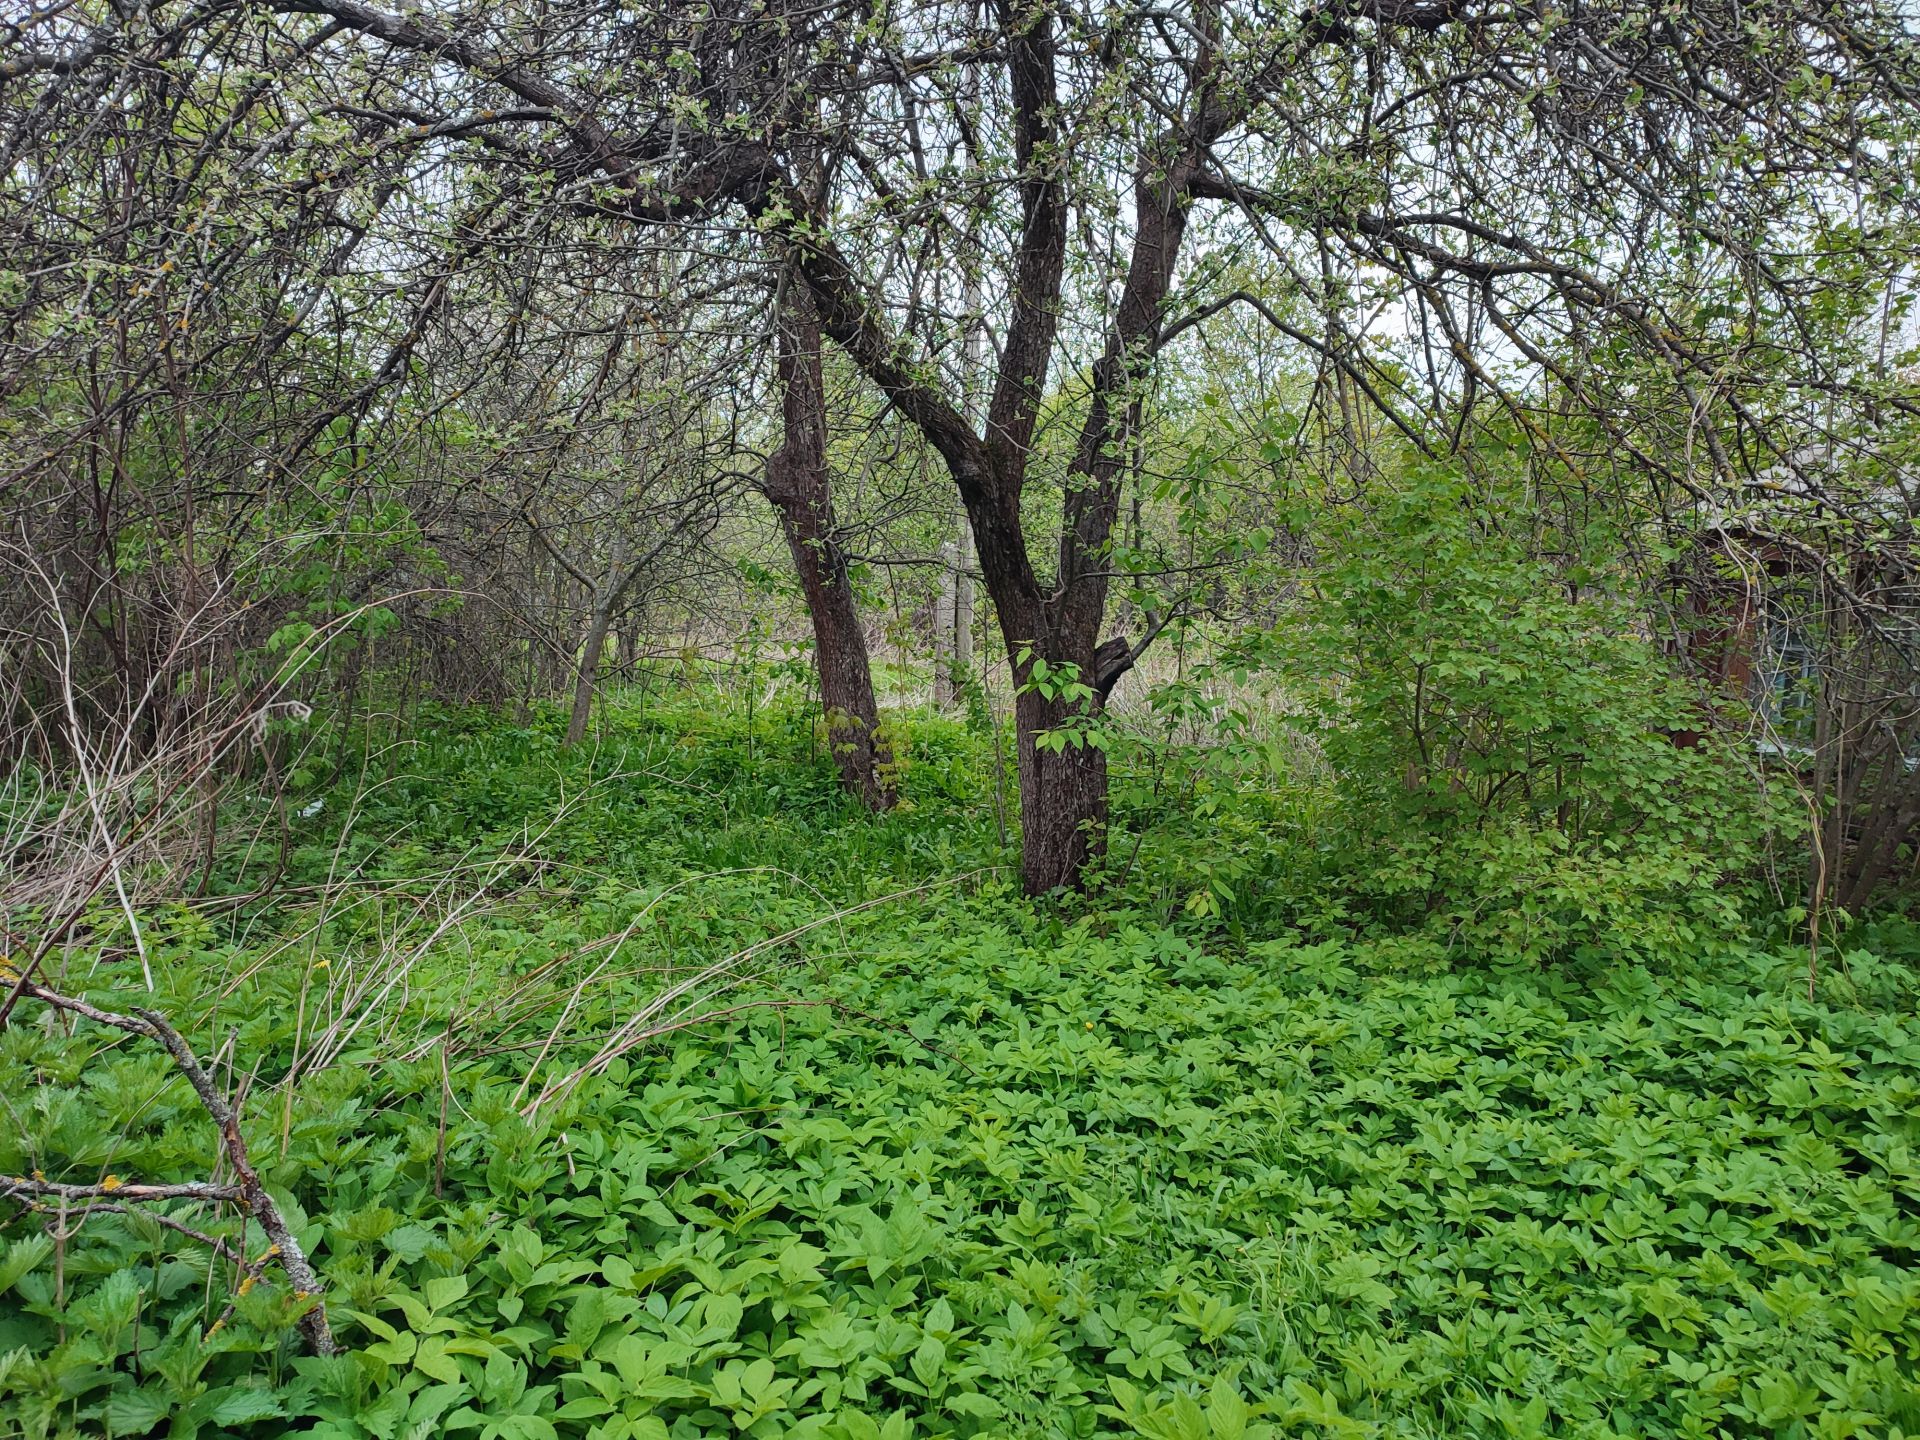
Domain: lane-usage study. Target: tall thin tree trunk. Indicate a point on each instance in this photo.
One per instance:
(586, 678)
(976, 381)
(945, 605)
(796, 483)
(963, 561)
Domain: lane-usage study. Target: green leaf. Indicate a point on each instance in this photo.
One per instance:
(445, 1291)
(23, 1254)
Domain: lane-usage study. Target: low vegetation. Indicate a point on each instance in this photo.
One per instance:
(935, 1161)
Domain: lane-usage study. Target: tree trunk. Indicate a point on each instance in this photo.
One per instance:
(796, 483)
(974, 354)
(1063, 797)
(601, 621)
(961, 670)
(1057, 617)
(583, 682)
(944, 635)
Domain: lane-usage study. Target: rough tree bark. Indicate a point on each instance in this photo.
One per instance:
(797, 485)
(1063, 796)
(954, 654)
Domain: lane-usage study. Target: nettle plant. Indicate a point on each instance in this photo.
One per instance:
(1500, 730)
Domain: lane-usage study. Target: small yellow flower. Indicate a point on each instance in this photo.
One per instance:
(111, 1183)
(1089, 1024)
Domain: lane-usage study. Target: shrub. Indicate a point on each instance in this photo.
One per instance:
(1499, 729)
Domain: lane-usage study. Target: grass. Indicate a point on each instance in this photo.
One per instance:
(939, 1161)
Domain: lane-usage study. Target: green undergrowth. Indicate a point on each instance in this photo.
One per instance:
(952, 1164)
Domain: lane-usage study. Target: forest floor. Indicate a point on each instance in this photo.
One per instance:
(648, 1091)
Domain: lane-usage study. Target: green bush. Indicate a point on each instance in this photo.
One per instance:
(1499, 729)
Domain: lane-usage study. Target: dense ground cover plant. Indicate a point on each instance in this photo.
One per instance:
(991, 1169)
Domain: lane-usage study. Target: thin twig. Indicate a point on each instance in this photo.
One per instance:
(32, 1187)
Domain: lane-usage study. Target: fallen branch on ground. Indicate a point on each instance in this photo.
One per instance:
(248, 1192)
